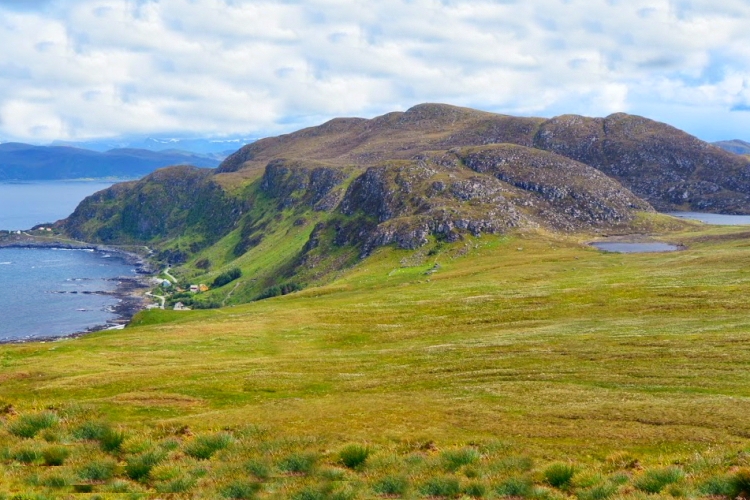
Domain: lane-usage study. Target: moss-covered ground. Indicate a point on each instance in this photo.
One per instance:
(468, 369)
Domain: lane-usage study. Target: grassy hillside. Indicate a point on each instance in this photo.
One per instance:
(477, 364)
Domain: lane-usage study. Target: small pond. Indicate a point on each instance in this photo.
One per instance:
(619, 247)
(717, 219)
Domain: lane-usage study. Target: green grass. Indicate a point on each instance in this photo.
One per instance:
(28, 426)
(555, 353)
(559, 475)
(354, 455)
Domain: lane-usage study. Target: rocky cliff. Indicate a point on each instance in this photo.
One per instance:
(663, 165)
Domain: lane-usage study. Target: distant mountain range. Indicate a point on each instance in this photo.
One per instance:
(213, 148)
(24, 162)
(735, 146)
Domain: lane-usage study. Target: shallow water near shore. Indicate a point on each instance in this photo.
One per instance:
(624, 247)
(717, 219)
(52, 293)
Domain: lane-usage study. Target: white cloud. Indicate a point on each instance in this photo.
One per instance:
(215, 67)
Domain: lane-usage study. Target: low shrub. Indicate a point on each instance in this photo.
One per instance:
(455, 459)
(391, 486)
(654, 480)
(441, 486)
(354, 455)
(55, 455)
(276, 290)
(227, 277)
(27, 426)
(203, 447)
(559, 474)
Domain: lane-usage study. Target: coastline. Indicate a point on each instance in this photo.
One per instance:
(129, 291)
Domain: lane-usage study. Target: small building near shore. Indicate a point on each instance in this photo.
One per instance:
(181, 307)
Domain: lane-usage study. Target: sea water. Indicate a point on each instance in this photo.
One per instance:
(26, 204)
(717, 219)
(46, 292)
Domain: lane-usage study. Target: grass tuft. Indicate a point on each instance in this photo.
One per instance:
(655, 480)
(475, 490)
(259, 469)
(28, 426)
(138, 468)
(598, 492)
(741, 483)
(55, 455)
(516, 487)
(299, 463)
(111, 440)
(392, 486)
(27, 455)
(719, 486)
(354, 455)
(240, 490)
(455, 459)
(204, 447)
(441, 486)
(559, 475)
(177, 485)
(97, 470)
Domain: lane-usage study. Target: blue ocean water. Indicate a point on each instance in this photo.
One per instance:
(47, 292)
(26, 204)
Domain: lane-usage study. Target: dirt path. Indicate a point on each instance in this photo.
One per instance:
(162, 298)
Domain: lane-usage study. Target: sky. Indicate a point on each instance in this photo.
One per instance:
(86, 69)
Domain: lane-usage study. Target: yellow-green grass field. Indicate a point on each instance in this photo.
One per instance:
(474, 366)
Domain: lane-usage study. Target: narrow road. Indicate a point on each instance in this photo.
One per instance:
(172, 278)
(162, 298)
(230, 294)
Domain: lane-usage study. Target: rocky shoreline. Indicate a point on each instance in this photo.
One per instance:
(129, 291)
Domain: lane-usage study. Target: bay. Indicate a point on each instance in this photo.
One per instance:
(26, 204)
(716, 219)
(49, 292)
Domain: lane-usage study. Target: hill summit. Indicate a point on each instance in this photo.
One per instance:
(299, 206)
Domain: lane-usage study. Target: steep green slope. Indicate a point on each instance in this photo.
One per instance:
(180, 204)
